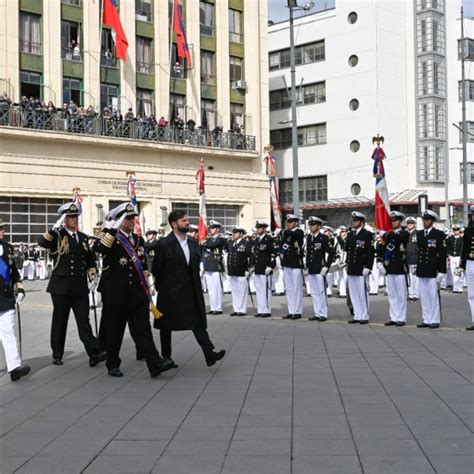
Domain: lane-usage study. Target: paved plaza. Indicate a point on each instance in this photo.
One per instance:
(289, 397)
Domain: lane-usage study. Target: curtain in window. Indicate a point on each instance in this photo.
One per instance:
(30, 34)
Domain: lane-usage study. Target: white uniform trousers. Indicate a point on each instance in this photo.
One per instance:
(31, 270)
(263, 287)
(8, 338)
(240, 290)
(330, 281)
(252, 283)
(42, 270)
(413, 289)
(293, 278)
(457, 280)
(429, 300)
(374, 278)
(342, 282)
(21, 271)
(397, 297)
(318, 295)
(470, 285)
(214, 289)
(225, 283)
(279, 280)
(359, 297)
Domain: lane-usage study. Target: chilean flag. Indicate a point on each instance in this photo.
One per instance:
(202, 222)
(382, 203)
(111, 18)
(178, 27)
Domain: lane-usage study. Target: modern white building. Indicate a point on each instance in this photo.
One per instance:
(387, 67)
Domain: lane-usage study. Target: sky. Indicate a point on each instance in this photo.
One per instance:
(278, 10)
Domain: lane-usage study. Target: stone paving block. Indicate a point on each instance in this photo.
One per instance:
(453, 463)
(255, 447)
(387, 447)
(237, 464)
(11, 463)
(326, 465)
(323, 447)
(448, 446)
(134, 448)
(121, 464)
(196, 447)
(187, 464)
(262, 433)
(404, 464)
(381, 432)
(56, 464)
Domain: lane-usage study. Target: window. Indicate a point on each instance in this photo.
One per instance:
(71, 41)
(26, 219)
(424, 77)
(354, 146)
(76, 3)
(227, 215)
(206, 18)
(425, 120)
(470, 172)
(353, 60)
(144, 56)
(235, 26)
(468, 49)
(469, 86)
(236, 116)
(311, 189)
(144, 10)
(435, 78)
(108, 95)
(423, 36)
(208, 67)
(177, 102)
(435, 27)
(307, 135)
(305, 54)
(311, 94)
(72, 90)
(431, 166)
(355, 189)
(354, 104)
(30, 84)
(145, 102)
(107, 50)
(208, 112)
(352, 18)
(30, 33)
(236, 66)
(178, 65)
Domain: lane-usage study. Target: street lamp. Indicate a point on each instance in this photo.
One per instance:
(293, 5)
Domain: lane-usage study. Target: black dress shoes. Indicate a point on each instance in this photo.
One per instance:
(313, 318)
(400, 323)
(234, 313)
(258, 315)
(218, 312)
(116, 372)
(163, 366)
(364, 321)
(174, 365)
(322, 319)
(210, 312)
(434, 326)
(19, 372)
(266, 315)
(57, 361)
(470, 328)
(390, 323)
(241, 314)
(288, 316)
(353, 321)
(212, 357)
(296, 316)
(423, 325)
(95, 359)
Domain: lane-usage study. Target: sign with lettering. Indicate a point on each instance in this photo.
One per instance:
(121, 184)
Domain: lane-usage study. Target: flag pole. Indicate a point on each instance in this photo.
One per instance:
(101, 27)
(171, 54)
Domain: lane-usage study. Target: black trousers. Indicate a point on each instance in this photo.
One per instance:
(62, 305)
(138, 319)
(201, 335)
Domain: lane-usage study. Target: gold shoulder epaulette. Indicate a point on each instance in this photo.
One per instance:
(107, 240)
(47, 236)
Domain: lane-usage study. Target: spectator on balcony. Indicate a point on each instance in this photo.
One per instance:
(191, 125)
(179, 122)
(75, 51)
(90, 112)
(51, 108)
(5, 103)
(129, 117)
(162, 123)
(116, 115)
(72, 109)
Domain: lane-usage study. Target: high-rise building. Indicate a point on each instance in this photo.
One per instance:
(366, 68)
(59, 51)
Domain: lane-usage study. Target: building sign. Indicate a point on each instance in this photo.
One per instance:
(121, 185)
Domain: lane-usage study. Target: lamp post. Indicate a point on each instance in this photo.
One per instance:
(293, 5)
(464, 124)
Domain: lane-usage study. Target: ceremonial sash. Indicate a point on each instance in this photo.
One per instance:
(127, 246)
(5, 273)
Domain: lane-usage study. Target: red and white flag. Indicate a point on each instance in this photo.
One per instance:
(202, 222)
(273, 182)
(111, 18)
(382, 202)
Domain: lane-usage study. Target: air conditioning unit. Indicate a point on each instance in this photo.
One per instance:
(240, 85)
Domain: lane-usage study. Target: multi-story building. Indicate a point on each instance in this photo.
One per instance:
(59, 51)
(362, 69)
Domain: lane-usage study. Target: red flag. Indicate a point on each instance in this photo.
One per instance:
(382, 203)
(178, 27)
(202, 222)
(111, 18)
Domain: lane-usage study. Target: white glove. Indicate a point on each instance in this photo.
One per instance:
(323, 271)
(92, 274)
(93, 285)
(413, 270)
(59, 223)
(20, 297)
(365, 272)
(118, 223)
(201, 273)
(440, 278)
(247, 274)
(109, 224)
(268, 271)
(381, 268)
(458, 271)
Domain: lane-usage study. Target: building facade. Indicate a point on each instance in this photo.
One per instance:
(58, 51)
(366, 68)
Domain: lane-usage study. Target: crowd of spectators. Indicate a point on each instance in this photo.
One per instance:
(34, 113)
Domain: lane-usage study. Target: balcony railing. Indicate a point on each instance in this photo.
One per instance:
(76, 3)
(145, 68)
(14, 116)
(30, 47)
(108, 60)
(72, 54)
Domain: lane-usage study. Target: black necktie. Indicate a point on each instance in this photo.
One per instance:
(74, 236)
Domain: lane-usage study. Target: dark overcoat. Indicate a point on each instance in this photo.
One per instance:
(180, 297)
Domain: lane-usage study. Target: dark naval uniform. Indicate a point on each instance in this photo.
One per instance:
(360, 260)
(319, 257)
(238, 265)
(430, 266)
(454, 246)
(68, 286)
(467, 264)
(264, 252)
(212, 255)
(291, 250)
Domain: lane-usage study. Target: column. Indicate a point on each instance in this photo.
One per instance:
(9, 49)
(128, 75)
(162, 57)
(222, 64)
(91, 55)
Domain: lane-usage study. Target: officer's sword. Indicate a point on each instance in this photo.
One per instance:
(94, 307)
(440, 309)
(20, 337)
(250, 292)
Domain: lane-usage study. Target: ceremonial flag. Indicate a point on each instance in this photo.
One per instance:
(133, 199)
(111, 18)
(178, 27)
(382, 203)
(273, 182)
(202, 222)
(77, 199)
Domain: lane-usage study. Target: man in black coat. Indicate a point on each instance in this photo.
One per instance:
(127, 295)
(391, 261)
(454, 245)
(180, 298)
(264, 254)
(10, 284)
(360, 260)
(319, 257)
(467, 263)
(430, 269)
(73, 265)
(412, 258)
